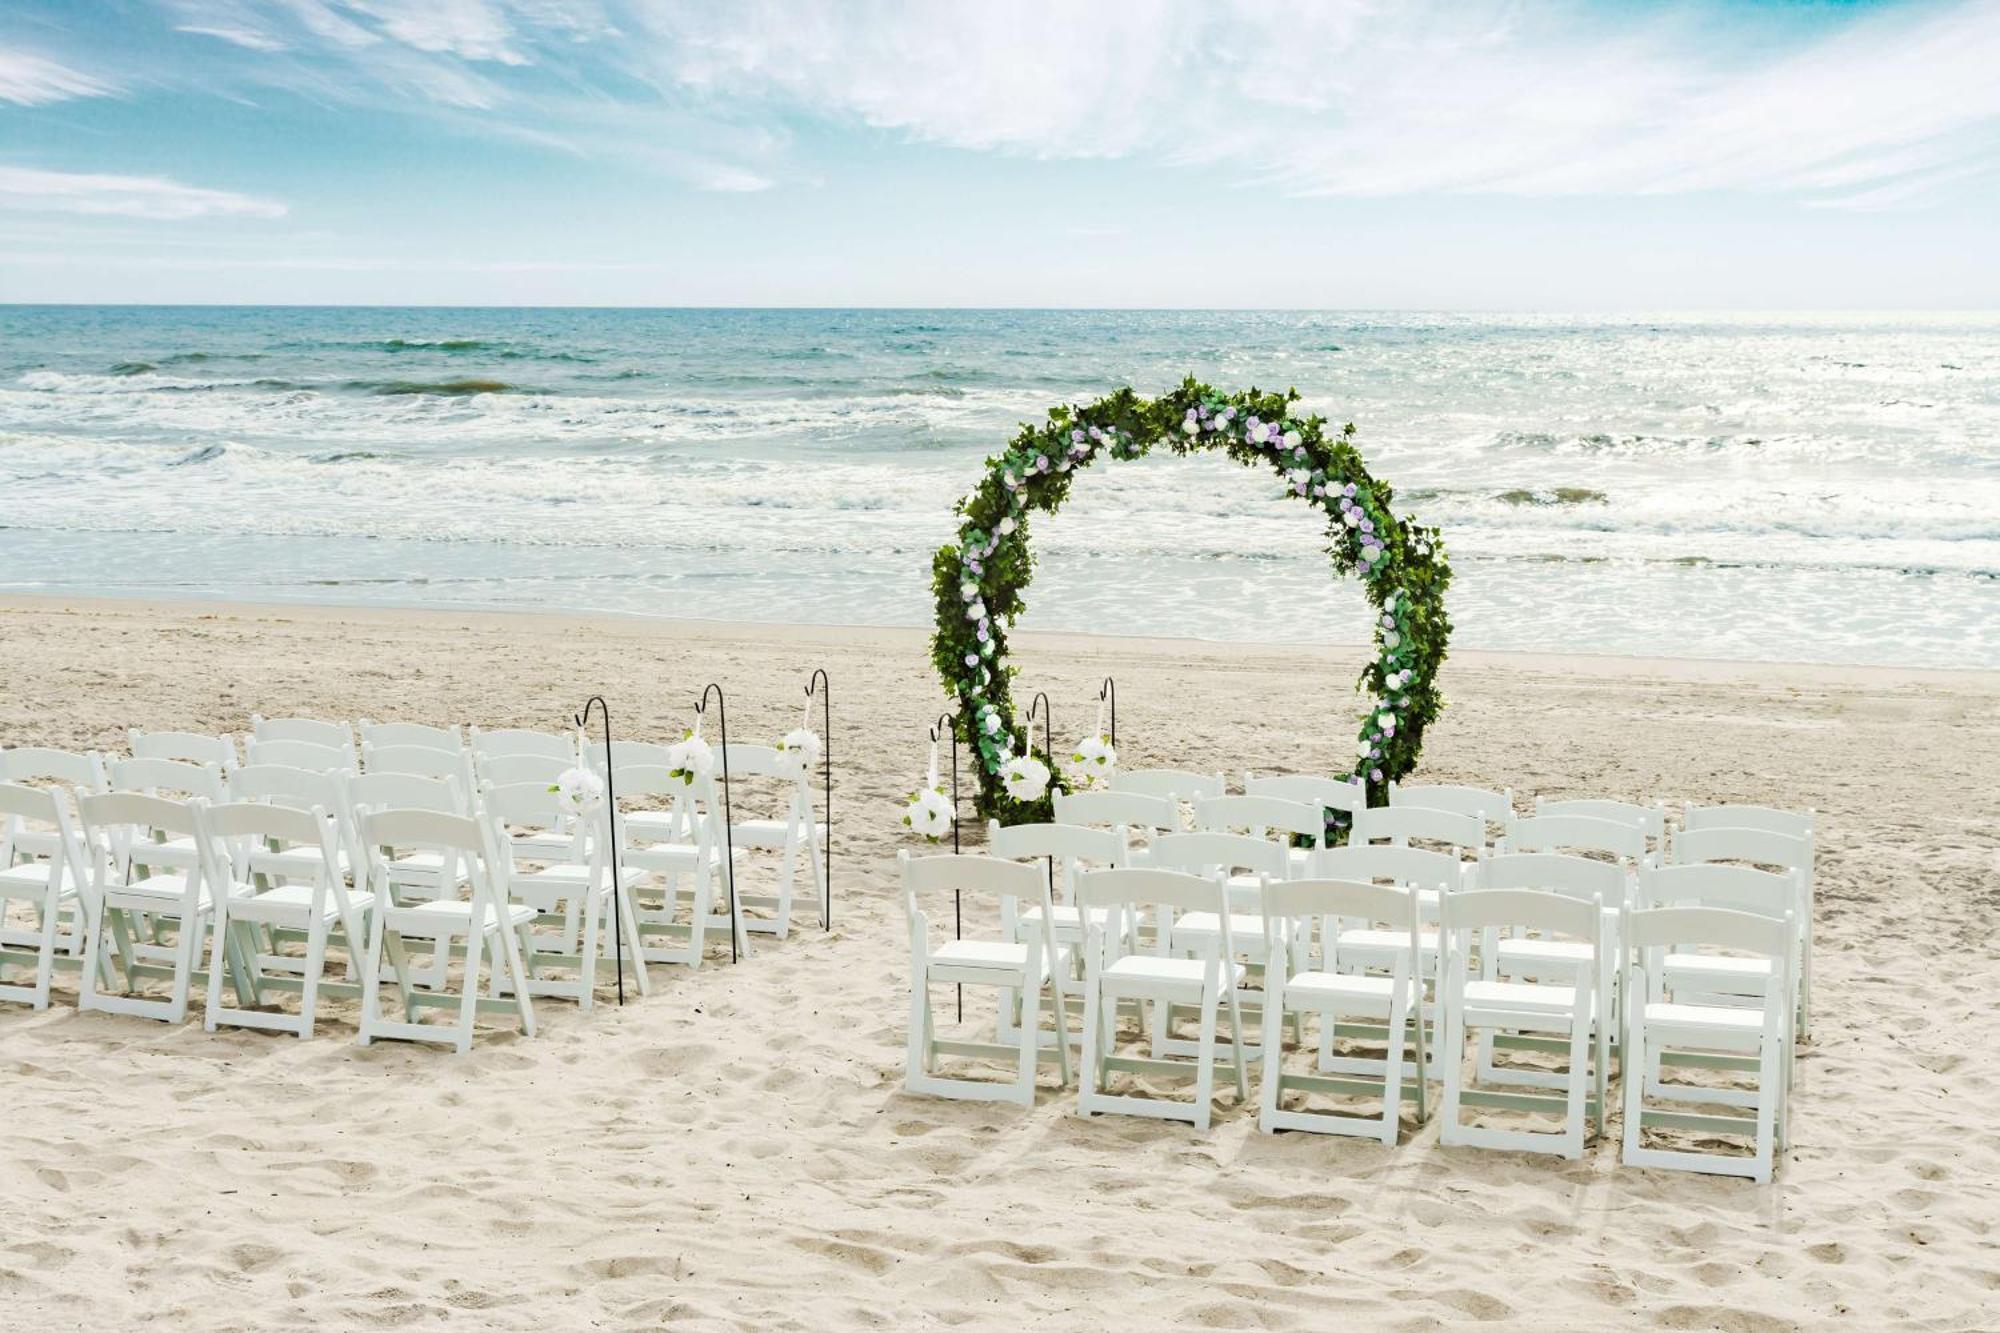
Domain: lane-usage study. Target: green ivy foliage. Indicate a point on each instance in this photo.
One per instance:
(979, 578)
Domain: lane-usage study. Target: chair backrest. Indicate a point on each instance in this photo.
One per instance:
(1203, 853)
(1410, 867)
(518, 740)
(752, 761)
(508, 770)
(1144, 886)
(385, 734)
(1653, 818)
(50, 810)
(423, 828)
(1736, 888)
(1071, 847)
(1133, 810)
(1294, 908)
(1327, 793)
(1401, 823)
(33, 763)
(1491, 807)
(407, 791)
(528, 805)
(1793, 823)
(1733, 843)
(1260, 816)
(295, 788)
(158, 775)
(1524, 909)
(1180, 783)
(308, 755)
(1553, 872)
(421, 760)
(311, 730)
(1715, 927)
(185, 746)
(1549, 833)
(137, 810)
(278, 823)
(630, 754)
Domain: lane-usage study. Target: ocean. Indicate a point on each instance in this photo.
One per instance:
(1754, 487)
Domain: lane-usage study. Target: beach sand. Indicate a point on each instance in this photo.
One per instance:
(736, 1150)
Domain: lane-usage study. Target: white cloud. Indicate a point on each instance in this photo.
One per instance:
(99, 194)
(1349, 98)
(250, 38)
(30, 80)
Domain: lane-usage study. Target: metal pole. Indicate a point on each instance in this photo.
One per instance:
(728, 820)
(942, 727)
(611, 822)
(1108, 691)
(819, 678)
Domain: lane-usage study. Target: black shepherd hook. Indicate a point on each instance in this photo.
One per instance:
(611, 803)
(946, 725)
(1048, 728)
(1108, 693)
(818, 680)
(728, 820)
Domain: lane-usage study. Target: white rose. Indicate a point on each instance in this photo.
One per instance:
(578, 790)
(1007, 526)
(929, 814)
(1362, 747)
(1025, 777)
(1191, 426)
(798, 751)
(1293, 439)
(691, 758)
(1095, 758)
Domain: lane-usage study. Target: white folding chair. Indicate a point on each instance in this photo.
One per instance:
(56, 891)
(1400, 824)
(1791, 823)
(312, 731)
(1710, 979)
(119, 826)
(1709, 841)
(313, 905)
(1533, 956)
(503, 741)
(1115, 970)
(1298, 823)
(1066, 849)
(1333, 797)
(185, 746)
(163, 850)
(1245, 865)
(1175, 784)
(1141, 816)
(573, 898)
(792, 835)
(1759, 1036)
(685, 853)
(417, 874)
(1651, 818)
(1370, 946)
(485, 920)
(30, 765)
(1475, 999)
(385, 735)
(1012, 967)
(300, 754)
(1487, 806)
(1296, 912)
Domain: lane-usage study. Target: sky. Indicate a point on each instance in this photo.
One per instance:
(1422, 154)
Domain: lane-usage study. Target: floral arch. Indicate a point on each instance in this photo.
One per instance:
(979, 578)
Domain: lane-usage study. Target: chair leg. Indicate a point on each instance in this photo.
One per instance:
(468, 1000)
(1031, 1039)
(218, 963)
(920, 1024)
(1204, 1079)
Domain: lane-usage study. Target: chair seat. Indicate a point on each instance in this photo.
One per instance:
(1310, 987)
(291, 902)
(1695, 1016)
(1682, 968)
(1064, 917)
(1246, 933)
(159, 893)
(654, 824)
(768, 831)
(1371, 940)
(1521, 950)
(1519, 996)
(452, 915)
(1149, 974)
(672, 855)
(29, 881)
(995, 954)
(293, 861)
(571, 875)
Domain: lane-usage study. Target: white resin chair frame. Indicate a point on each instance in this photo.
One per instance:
(57, 890)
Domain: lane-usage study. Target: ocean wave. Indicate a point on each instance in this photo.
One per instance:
(464, 388)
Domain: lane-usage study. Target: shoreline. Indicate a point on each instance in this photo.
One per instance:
(1064, 642)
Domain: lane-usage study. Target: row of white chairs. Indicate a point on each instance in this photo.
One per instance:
(1573, 887)
(59, 870)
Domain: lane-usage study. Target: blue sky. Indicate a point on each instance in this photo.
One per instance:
(1147, 152)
